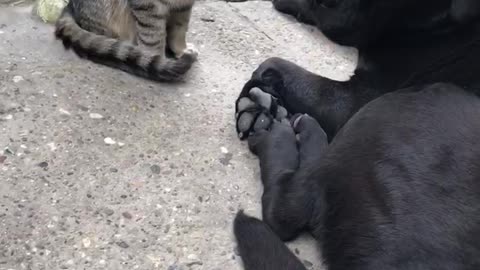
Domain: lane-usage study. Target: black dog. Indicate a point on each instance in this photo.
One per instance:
(398, 187)
(423, 42)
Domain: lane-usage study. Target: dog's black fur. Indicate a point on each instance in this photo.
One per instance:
(397, 188)
(382, 178)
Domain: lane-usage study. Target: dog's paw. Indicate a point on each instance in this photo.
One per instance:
(311, 138)
(256, 111)
(278, 138)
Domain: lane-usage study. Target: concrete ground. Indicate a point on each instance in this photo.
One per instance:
(103, 170)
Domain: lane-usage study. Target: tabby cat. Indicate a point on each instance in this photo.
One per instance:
(132, 35)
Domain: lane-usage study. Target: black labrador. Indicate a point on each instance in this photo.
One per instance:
(384, 169)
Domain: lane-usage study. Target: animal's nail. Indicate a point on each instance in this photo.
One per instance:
(295, 123)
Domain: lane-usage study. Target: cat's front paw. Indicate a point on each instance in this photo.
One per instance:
(190, 50)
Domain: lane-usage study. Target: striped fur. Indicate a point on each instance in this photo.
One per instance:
(131, 35)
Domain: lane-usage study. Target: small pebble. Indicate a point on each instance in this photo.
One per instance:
(109, 141)
(43, 164)
(155, 169)
(17, 79)
(224, 150)
(63, 111)
(122, 244)
(96, 116)
(52, 146)
(127, 215)
(8, 151)
(108, 211)
(207, 19)
(192, 257)
(86, 242)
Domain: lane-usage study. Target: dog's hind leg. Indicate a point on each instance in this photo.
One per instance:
(289, 154)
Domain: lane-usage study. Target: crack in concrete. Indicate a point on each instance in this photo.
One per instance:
(237, 11)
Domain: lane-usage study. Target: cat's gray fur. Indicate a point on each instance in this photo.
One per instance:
(131, 35)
